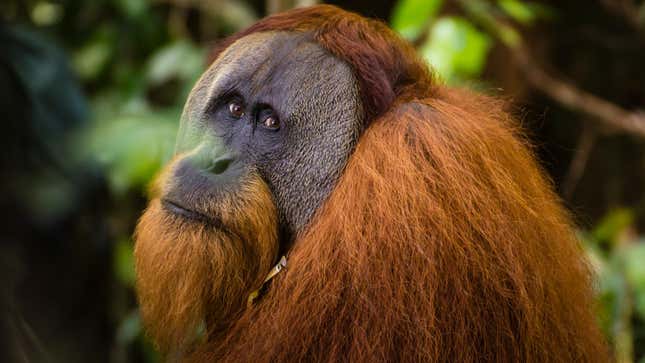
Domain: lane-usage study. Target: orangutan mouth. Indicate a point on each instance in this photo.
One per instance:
(177, 209)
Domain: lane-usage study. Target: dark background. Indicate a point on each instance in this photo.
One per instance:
(90, 97)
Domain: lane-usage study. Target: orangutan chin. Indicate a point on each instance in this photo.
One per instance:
(416, 224)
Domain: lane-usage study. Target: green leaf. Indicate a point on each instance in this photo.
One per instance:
(483, 12)
(91, 59)
(132, 147)
(456, 49)
(635, 274)
(612, 225)
(237, 15)
(124, 262)
(46, 13)
(410, 17)
(132, 8)
(610, 290)
(507, 34)
(180, 59)
(129, 328)
(518, 10)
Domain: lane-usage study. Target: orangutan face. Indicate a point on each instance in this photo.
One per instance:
(264, 136)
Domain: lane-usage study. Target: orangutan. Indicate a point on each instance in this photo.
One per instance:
(415, 222)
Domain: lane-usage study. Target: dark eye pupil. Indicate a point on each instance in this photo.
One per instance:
(271, 122)
(235, 109)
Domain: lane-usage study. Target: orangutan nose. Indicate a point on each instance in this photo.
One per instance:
(211, 156)
(220, 165)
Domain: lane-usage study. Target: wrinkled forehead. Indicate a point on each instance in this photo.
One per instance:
(258, 56)
(280, 67)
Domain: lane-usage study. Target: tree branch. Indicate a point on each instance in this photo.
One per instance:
(576, 99)
(578, 164)
(276, 6)
(633, 14)
(607, 113)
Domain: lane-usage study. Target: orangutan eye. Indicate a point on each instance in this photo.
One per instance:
(235, 109)
(271, 122)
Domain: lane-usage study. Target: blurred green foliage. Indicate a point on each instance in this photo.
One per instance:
(411, 17)
(456, 49)
(133, 132)
(619, 260)
(137, 61)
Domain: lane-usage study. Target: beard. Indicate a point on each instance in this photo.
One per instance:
(193, 275)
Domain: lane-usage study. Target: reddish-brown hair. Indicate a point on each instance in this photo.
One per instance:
(442, 241)
(387, 67)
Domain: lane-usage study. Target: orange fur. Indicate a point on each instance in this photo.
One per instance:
(191, 275)
(441, 242)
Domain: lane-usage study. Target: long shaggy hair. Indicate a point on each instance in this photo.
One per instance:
(441, 242)
(192, 276)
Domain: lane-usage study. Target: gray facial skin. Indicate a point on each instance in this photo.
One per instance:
(316, 99)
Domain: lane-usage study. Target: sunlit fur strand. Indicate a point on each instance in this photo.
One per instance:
(442, 242)
(189, 273)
